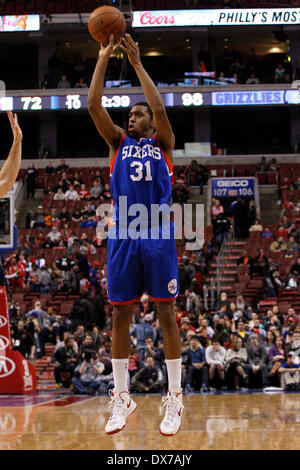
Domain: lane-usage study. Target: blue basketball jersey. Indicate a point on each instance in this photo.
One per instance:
(141, 171)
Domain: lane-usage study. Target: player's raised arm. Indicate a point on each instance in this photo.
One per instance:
(11, 167)
(107, 129)
(161, 122)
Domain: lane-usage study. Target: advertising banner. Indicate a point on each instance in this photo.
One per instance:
(232, 187)
(224, 17)
(17, 375)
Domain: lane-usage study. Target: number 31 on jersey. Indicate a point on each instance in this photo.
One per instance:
(139, 171)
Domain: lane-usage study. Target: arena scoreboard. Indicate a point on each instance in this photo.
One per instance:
(71, 101)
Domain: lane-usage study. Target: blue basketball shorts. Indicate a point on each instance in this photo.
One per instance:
(138, 266)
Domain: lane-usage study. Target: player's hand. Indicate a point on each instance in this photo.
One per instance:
(107, 50)
(131, 48)
(17, 133)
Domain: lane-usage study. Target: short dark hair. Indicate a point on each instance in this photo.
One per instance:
(146, 105)
(215, 339)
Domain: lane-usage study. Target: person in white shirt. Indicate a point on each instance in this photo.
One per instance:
(215, 356)
(71, 194)
(256, 227)
(59, 196)
(54, 236)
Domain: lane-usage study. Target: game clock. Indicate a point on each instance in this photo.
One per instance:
(117, 101)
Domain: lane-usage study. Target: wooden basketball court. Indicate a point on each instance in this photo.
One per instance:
(225, 422)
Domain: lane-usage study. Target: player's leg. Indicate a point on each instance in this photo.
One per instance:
(173, 401)
(121, 404)
(172, 347)
(161, 281)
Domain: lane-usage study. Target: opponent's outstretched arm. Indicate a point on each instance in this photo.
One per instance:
(11, 167)
(107, 129)
(161, 122)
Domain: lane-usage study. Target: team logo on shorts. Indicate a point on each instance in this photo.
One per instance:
(172, 286)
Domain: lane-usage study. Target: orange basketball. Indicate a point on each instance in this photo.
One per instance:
(104, 21)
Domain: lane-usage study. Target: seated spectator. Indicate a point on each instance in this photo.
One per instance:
(96, 189)
(280, 74)
(90, 371)
(290, 377)
(240, 302)
(296, 184)
(76, 216)
(141, 330)
(38, 220)
(60, 195)
(221, 78)
(86, 248)
(83, 192)
(88, 217)
(295, 269)
(281, 232)
(262, 165)
(33, 279)
(257, 358)
(146, 306)
(285, 222)
(292, 339)
(236, 364)
(63, 82)
(256, 227)
(54, 236)
(259, 264)
(276, 359)
(71, 194)
(22, 340)
(286, 206)
(133, 362)
(148, 379)
(274, 282)
(65, 360)
(256, 326)
(215, 357)
(77, 180)
(267, 233)
(49, 169)
(105, 194)
(216, 209)
(81, 83)
(197, 374)
(52, 218)
(64, 217)
(244, 260)
(291, 248)
(150, 350)
(252, 80)
(292, 282)
(87, 345)
(185, 327)
(278, 245)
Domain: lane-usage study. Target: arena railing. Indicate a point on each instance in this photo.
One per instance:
(221, 258)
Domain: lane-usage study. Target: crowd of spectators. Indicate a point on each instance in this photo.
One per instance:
(233, 348)
(233, 344)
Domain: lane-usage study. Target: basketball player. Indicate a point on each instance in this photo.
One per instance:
(10, 169)
(140, 167)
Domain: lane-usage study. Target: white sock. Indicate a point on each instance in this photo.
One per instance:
(120, 373)
(174, 374)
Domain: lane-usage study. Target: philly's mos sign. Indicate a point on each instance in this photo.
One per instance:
(224, 17)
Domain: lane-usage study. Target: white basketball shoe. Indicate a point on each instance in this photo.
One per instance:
(171, 423)
(121, 407)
